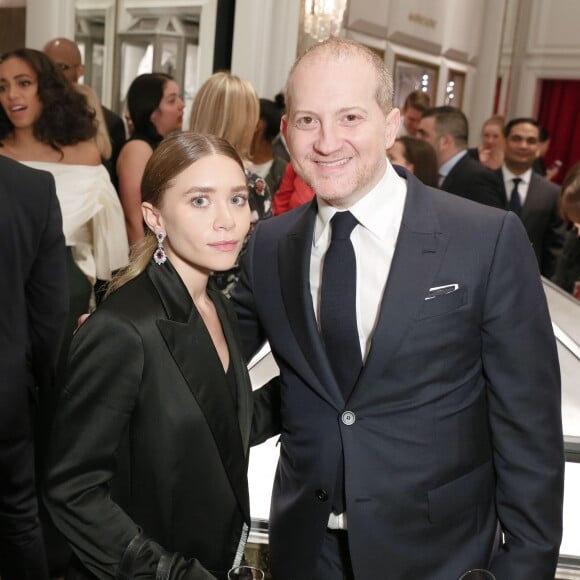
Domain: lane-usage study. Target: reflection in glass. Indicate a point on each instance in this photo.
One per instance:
(414, 75)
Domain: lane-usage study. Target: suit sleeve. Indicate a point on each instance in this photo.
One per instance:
(242, 297)
(521, 366)
(490, 189)
(553, 241)
(105, 368)
(266, 419)
(46, 291)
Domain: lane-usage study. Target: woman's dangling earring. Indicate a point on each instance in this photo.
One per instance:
(160, 256)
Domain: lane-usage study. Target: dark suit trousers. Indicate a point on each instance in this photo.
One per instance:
(22, 554)
(334, 560)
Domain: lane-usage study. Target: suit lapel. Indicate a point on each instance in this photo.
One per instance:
(294, 263)
(533, 200)
(418, 253)
(192, 349)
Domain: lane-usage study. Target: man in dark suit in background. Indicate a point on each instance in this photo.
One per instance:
(66, 55)
(533, 198)
(419, 377)
(33, 298)
(447, 129)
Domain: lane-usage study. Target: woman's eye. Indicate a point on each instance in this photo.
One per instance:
(239, 199)
(200, 201)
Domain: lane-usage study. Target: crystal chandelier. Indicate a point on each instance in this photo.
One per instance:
(323, 18)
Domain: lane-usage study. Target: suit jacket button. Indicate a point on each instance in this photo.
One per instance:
(321, 495)
(348, 418)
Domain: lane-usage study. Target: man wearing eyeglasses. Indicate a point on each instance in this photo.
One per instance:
(67, 56)
(529, 195)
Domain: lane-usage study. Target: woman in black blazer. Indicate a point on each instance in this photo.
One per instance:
(148, 457)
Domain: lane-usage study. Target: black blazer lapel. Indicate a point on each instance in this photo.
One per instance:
(418, 253)
(294, 264)
(244, 387)
(193, 351)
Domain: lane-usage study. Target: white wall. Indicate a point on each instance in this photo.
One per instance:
(265, 41)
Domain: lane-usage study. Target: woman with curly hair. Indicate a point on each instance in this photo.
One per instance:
(46, 124)
(228, 106)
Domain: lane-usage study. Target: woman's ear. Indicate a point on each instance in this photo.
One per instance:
(152, 217)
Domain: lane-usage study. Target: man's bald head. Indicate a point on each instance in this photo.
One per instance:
(66, 55)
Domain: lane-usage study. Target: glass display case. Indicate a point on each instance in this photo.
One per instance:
(90, 38)
(159, 43)
(565, 314)
(414, 75)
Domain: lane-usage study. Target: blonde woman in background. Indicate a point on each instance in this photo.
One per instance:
(491, 150)
(228, 106)
(102, 138)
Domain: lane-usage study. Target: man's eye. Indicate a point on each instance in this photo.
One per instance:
(306, 122)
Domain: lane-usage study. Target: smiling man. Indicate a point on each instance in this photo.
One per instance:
(529, 195)
(411, 436)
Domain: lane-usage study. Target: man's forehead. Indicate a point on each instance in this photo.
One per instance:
(525, 127)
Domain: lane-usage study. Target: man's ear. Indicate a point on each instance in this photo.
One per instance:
(392, 122)
(152, 217)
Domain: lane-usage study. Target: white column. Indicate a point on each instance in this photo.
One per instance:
(265, 42)
(46, 19)
(487, 68)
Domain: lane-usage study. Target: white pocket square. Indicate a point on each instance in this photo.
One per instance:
(441, 291)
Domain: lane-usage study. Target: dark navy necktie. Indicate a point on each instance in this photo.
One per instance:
(515, 201)
(338, 304)
(338, 320)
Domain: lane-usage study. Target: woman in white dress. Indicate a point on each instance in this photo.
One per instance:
(46, 124)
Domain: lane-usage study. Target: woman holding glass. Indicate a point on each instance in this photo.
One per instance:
(148, 458)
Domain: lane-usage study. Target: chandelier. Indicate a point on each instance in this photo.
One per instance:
(323, 18)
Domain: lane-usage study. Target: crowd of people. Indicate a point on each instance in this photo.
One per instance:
(418, 401)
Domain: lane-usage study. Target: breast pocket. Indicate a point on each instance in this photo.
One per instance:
(443, 304)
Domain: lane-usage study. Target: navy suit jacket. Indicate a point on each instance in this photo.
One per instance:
(470, 179)
(457, 421)
(543, 222)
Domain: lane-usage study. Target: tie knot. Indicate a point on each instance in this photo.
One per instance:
(517, 181)
(343, 223)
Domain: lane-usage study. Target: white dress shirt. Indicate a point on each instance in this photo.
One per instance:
(523, 186)
(379, 214)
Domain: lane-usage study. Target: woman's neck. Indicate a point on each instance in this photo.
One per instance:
(23, 145)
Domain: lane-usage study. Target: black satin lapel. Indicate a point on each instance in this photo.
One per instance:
(196, 357)
(294, 264)
(244, 386)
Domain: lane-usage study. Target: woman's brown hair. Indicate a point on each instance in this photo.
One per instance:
(174, 155)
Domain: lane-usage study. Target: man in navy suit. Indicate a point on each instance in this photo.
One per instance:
(34, 301)
(537, 201)
(447, 129)
(447, 453)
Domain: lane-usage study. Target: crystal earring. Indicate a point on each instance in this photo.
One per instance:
(160, 256)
